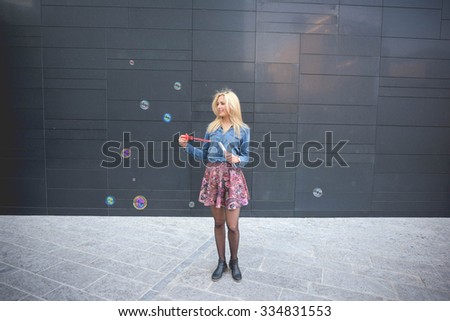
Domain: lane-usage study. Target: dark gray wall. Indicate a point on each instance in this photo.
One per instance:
(375, 73)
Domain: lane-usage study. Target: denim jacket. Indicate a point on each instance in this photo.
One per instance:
(211, 151)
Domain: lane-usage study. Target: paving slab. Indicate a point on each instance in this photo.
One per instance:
(67, 293)
(29, 282)
(74, 274)
(116, 288)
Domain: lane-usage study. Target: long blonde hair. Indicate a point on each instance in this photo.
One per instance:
(233, 108)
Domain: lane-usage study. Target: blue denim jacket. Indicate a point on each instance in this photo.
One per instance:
(211, 151)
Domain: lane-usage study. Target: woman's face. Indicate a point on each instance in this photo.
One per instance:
(222, 108)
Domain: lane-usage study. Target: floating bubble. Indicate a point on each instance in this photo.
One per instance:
(110, 200)
(134, 179)
(167, 117)
(317, 192)
(144, 104)
(131, 62)
(126, 153)
(177, 85)
(191, 204)
(140, 202)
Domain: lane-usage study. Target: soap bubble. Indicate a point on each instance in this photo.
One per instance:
(131, 62)
(144, 104)
(110, 200)
(167, 117)
(191, 204)
(126, 153)
(317, 192)
(177, 85)
(140, 202)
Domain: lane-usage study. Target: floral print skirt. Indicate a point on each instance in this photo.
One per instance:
(223, 186)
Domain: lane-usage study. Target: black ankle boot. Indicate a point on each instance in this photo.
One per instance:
(235, 271)
(221, 267)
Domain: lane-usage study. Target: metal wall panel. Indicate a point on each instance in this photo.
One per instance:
(412, 163)
(341, 45)
(332, 89)
(415, 48)
(372, 74)
(84, 16)
(274, 47)
(362, 2)
(151, 18)
(434, 4)
(224, 20)
(360, 20)
(241, 5)
(74, 104)
(405, 111)
(339, 65)
(210, 45)
(413, 140)
(403, 22)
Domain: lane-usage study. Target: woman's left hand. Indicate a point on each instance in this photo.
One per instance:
(233, 159)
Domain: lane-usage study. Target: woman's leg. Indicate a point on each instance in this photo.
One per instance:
(219, 230)
(232, 219)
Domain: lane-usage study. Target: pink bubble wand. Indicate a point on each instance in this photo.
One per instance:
(186, 136)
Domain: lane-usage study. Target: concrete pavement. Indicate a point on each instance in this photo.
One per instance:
(172, 258)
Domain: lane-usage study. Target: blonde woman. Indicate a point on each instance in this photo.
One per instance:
(223, 187)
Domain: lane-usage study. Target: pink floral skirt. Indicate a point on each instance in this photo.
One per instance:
(223, 186)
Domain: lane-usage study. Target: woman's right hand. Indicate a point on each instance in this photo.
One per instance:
(183, 141)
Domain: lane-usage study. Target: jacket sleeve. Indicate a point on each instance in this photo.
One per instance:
(200, 154)
(244, 154)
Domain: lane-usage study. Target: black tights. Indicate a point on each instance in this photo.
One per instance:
(231, 218)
